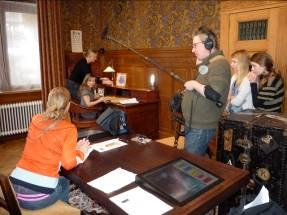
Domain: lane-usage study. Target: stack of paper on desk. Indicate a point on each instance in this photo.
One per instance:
(129, 101)
(139, 202)
(108, 145)
(113, 180)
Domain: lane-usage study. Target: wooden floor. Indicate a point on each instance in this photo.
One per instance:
(10, 152)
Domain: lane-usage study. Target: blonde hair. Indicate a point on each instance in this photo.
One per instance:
(57, 104)
(89, 51)
(243, 63)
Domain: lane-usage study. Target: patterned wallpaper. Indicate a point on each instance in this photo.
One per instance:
(139, 23)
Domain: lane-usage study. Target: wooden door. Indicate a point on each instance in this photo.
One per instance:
(235, 14)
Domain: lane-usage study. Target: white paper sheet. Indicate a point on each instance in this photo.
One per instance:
(261, 198)
(129, 101)
(140, 202)
(108, 145)
(113, 180)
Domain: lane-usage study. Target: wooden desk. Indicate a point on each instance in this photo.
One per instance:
(137, 158)
(143, 118)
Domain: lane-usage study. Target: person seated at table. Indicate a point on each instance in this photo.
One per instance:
(88, 96)
(267, 85)
(51, 143)
(239, 98)
(82, 68)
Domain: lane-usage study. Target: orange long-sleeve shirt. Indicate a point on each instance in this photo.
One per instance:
(50, 144)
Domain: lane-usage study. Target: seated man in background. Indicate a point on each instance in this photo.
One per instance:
(82, 68)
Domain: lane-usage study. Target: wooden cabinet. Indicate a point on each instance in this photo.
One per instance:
(251, 15)
(143, 118)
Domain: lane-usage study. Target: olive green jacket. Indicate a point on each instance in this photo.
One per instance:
(198, 111)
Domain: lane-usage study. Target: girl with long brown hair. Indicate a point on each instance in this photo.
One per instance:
(267, 85)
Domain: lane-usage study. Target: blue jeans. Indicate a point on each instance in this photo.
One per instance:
(61, 193)
(73, 87)
(197, 140)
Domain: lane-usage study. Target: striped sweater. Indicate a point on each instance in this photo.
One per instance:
(270, 97)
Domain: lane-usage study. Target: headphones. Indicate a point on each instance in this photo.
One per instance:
(210, 40)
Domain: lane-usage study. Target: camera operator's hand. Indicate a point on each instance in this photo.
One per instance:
(189, 85)
(195, 85)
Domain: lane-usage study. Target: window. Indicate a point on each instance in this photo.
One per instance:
(253, 30)
(19, 51)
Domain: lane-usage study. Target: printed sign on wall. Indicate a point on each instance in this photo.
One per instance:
(76, 41)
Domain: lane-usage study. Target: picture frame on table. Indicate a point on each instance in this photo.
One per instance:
(121, 79)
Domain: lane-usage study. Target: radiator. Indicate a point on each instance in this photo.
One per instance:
(15, 117)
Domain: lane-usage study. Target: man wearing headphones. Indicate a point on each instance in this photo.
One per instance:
(205, 97)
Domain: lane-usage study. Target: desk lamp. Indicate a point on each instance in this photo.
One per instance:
(110, 69)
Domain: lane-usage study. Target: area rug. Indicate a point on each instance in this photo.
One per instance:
(81, 201)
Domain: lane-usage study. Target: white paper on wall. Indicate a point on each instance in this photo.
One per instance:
(76, 41)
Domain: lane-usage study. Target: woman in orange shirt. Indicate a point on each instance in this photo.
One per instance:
(51, 143)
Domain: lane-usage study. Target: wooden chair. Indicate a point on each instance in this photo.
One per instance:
(176, 141)
(10, 203)
(75, 113)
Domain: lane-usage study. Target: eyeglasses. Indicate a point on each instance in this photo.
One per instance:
(194, 45)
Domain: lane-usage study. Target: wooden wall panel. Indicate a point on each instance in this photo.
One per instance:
(281, 47)
(247, 5)
(178, 60)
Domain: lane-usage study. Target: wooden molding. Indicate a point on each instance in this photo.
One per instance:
(20, 96)
(227, 7)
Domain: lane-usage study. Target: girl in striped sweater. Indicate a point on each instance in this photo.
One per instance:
(267, 85)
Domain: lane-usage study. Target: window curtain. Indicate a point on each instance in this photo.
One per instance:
(4, 78)
(51, 45)
(19, 51)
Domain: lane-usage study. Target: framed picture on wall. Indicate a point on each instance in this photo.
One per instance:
(121, 79)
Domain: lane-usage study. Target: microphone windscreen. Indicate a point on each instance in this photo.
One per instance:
(104, 33)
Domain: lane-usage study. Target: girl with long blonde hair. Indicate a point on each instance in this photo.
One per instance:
(239, 98)
(51, 143)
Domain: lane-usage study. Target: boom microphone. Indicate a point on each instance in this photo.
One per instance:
(105, 33)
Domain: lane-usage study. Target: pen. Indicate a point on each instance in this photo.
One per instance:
(125, 200)
(87, 138)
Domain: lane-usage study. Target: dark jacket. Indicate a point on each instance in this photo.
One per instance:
(198, 111)
(80, 70)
